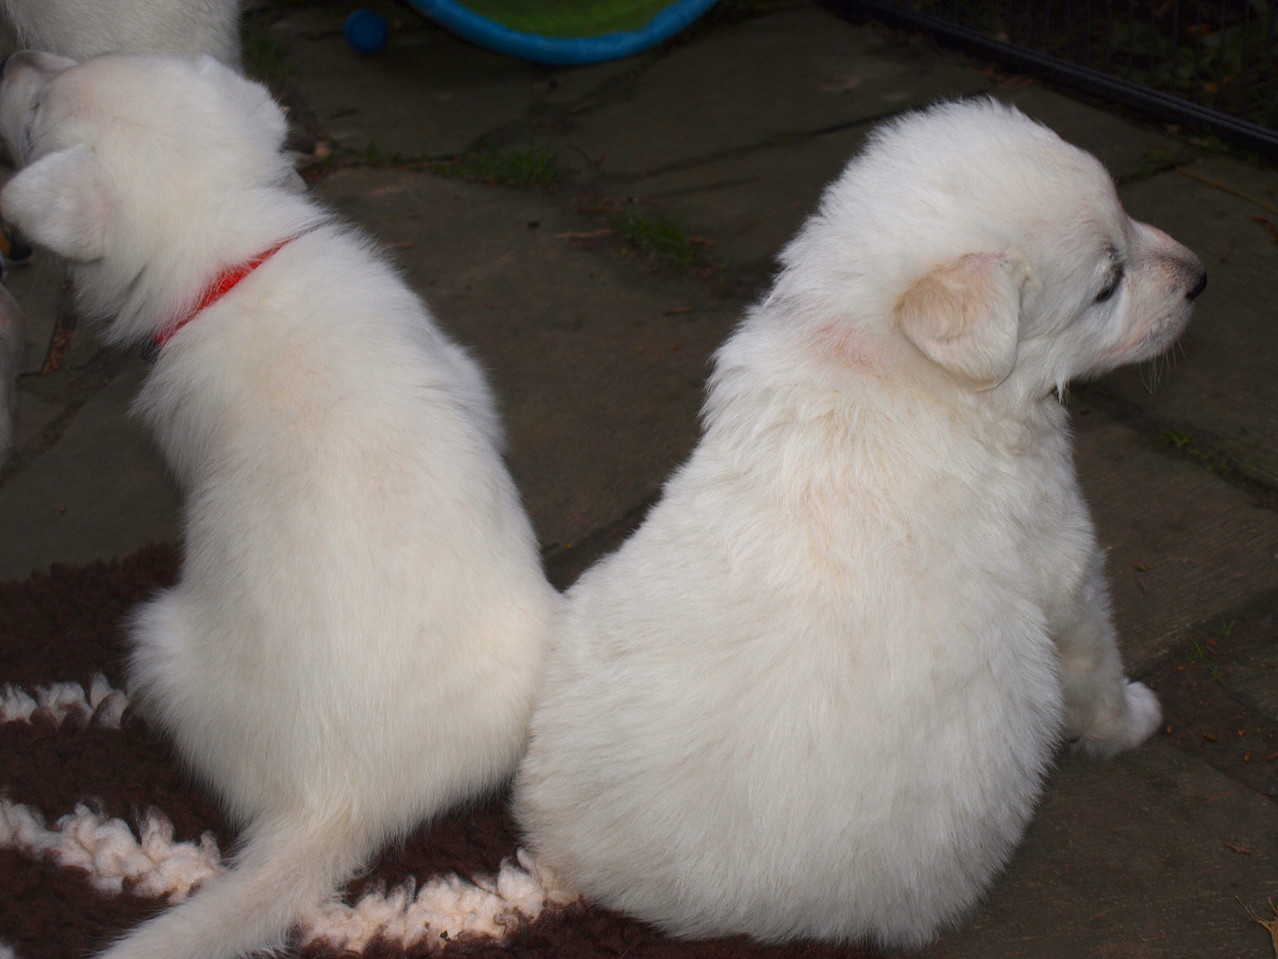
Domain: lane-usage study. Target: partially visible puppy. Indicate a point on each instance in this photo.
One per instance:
(816, 694)
(353, 642)
(86, 28)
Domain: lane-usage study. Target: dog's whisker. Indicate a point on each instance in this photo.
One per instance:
(1149, 375)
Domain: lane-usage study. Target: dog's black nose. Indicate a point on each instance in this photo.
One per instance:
(1197, 290)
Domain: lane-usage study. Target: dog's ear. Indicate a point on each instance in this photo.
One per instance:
(62, 203)
(964, 316)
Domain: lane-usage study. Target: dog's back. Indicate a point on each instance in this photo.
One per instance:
(352, 534)
(810, 697)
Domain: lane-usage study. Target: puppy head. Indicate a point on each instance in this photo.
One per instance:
(116, 153)
(971, 241)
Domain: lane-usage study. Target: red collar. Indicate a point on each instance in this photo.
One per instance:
(221, 285)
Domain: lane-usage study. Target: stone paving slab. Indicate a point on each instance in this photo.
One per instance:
(38, 286)
(41, 403)
(361, 100)
(1143, 857)
(100, 492)
(1184, 545)
(407, 100)
(1255, 675)
(598, 359)
(732, 90)
(1223, 383)
(750, 204)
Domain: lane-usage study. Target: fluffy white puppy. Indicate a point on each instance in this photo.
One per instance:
(817, 692)
(353, 642)
(86, 28)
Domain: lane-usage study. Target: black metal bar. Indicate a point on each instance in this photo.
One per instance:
(1271, 82)
(1152, 102)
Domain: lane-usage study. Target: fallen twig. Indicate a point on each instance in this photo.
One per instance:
(1271, 925)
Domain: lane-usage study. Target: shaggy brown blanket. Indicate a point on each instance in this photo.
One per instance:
(87, 793)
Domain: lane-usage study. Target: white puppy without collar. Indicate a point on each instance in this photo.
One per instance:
(81, 30)
(816, 694)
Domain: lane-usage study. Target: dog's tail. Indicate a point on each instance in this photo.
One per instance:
(283, 870)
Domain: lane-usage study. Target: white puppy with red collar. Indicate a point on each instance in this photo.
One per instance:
(354, 639)
(816, 694)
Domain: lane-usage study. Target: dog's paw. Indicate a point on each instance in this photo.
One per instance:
(1138, 720)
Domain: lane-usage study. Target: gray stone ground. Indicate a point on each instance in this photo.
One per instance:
(600, 352)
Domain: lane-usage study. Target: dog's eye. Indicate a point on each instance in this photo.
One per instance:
(1111, 287)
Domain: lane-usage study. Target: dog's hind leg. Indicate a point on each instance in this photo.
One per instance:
(284, 869)
(1104, 711)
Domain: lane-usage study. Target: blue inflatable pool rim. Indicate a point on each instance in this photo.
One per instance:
(562, 51)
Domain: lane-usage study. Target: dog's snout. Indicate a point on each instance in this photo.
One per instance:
(1199, 285)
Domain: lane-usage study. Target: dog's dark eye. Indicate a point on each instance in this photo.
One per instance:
(1112, 286)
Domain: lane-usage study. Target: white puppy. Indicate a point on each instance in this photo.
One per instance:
(817, 692)
(86, 28)
(354, 639)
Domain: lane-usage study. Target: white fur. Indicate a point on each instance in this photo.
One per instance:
(87, 28)
(359, 621)
(817, 692)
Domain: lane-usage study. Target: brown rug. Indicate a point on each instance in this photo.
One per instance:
(99, 828)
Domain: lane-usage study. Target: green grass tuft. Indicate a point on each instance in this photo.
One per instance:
(657, 237)
(529, 167)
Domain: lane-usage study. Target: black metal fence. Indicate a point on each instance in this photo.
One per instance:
(1211, 64)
